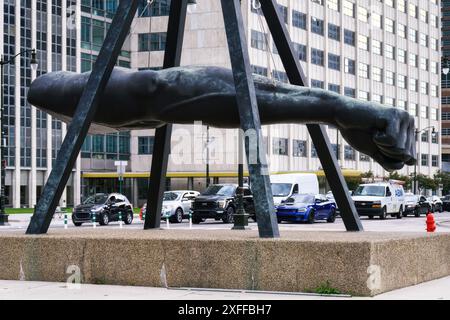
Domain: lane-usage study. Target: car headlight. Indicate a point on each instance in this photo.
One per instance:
(222, 203)
(301, 210)
(97, 209)
(376, 204)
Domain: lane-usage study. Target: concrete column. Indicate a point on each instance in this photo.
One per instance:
(17, 168)
(32, 177)
(135, 191)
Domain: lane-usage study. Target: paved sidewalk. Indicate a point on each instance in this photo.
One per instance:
(27, 290)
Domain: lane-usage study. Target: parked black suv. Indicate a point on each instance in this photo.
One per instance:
(446, 203)
(105, 207)
(219, 201)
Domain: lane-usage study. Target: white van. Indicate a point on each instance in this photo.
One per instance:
(380, 199)
(285, 185)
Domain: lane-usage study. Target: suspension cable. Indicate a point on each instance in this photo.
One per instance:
(257, 6)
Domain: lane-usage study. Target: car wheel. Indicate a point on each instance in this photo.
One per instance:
(77, 224)
(279, 220)
(404, 214)
(400, 213)
(311, 217)
(196, 220)
(229, 216)
(370, 217)
(332, 217)
(129, 218)
(383, 214)
(178, 216)
(417, 213)
(104, 219)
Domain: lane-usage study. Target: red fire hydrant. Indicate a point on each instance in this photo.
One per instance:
(431, 225)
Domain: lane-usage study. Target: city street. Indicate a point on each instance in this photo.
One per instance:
(408, 224)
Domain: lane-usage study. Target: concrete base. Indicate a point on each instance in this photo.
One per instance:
(361, 264)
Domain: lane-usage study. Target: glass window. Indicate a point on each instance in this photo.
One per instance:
(390, 78)
(299, 148)
(333, 4)
(401, 55)
(348, 8)
(349, 37)
(363, 42)
(377, 47)
(145, 145)
(258, 40)
(377, 20)
(280, 146)
(349, 153)
(299, 19)
(301, 51)
(334, 87)
(350, 92)
(389, 51)
(317, 84)
(402, 30)
(390, 25)
(334, 32)
(364, 95)
(349, 66)
(334, 62)
(424, 159)
(377, 74)
(317, 26)
(317, 57)
(364, 70)
(363, 14)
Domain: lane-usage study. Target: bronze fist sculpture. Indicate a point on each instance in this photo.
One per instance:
(148, 99)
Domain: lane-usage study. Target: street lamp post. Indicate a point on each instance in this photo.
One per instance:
(3, 63)
(240, 221)
(208, 178)
(417, 132)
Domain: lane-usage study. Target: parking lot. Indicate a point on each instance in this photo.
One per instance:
(408, 224)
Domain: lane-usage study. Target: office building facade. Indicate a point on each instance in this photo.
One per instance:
(385, 51)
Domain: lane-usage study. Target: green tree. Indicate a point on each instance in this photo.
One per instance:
(443, 178)
(424, 182)
(394, 175)
(367, 175)
(353, 182)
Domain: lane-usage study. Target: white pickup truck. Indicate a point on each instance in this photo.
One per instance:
(379, 199)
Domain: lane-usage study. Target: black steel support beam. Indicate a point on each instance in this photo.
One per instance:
(82, 118)
(318, 133)
(249, 118)
(161, 147)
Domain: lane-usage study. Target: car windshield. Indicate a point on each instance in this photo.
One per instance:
(220, 190)
(281, 189)
(171, 196)
(301, 198)
(96, 199)
(377, 191)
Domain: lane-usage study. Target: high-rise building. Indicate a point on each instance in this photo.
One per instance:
(33, 137)
(445, 115)
(384, 51)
